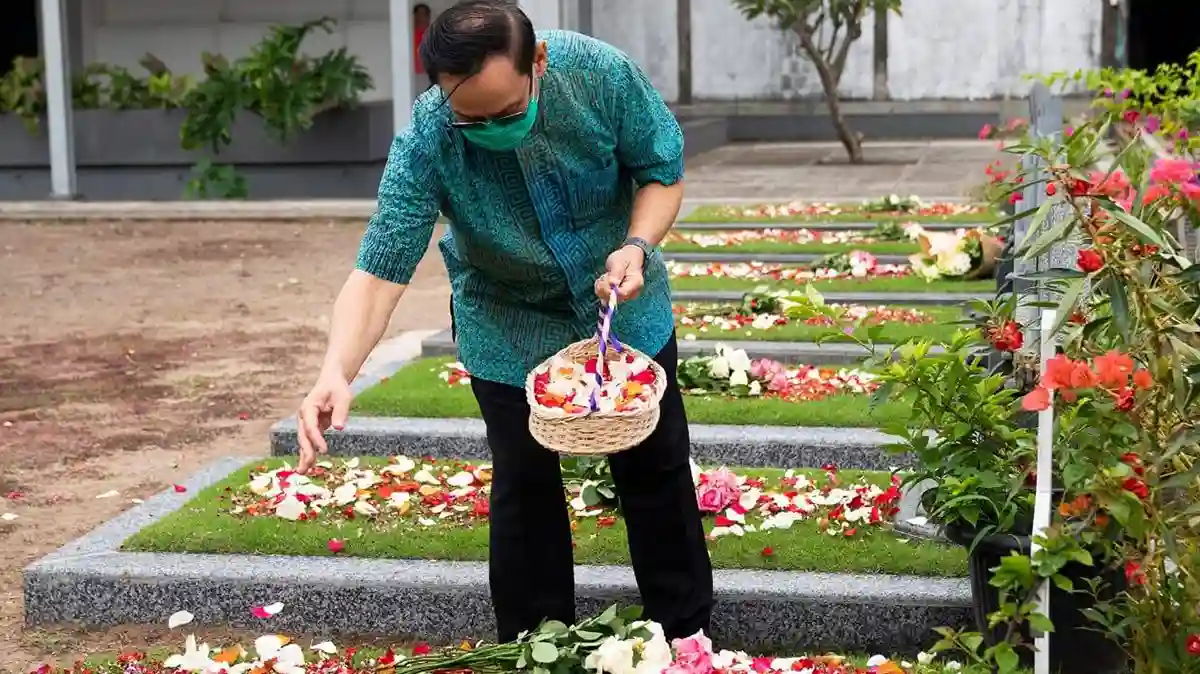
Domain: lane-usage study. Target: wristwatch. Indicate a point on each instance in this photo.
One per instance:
(641, 244)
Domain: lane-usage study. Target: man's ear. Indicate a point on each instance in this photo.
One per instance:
(541, 59)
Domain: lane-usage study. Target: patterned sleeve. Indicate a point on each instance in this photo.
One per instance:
(649, 140)
(399, 232)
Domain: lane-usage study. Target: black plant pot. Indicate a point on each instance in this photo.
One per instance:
(1076, 645)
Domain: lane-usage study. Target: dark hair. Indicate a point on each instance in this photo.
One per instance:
(419, 6)
(461, 38)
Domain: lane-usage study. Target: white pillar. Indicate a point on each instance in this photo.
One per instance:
(401, 30)
(59, 117)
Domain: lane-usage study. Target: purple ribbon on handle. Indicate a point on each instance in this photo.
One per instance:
(606, 340)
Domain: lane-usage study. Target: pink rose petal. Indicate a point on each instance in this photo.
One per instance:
(267, 611)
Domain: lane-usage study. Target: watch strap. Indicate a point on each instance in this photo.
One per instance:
(641, 244)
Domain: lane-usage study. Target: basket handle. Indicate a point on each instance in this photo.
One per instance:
(605, 340)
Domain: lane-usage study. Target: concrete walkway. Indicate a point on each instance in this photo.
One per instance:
(742, 173)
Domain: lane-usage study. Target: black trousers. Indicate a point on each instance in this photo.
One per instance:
(532, 569)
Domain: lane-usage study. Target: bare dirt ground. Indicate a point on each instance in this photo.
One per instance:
(133, 354)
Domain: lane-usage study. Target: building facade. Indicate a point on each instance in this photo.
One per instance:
(938, 49)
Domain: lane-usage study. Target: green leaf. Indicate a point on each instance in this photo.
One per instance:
(1046, 274)
(588, 635)
(972, 642)
(1119, 306)
(1055, 234)
(544, 652)
(1062, 582)
(554, 627)
(1006, 658)
(1140, 227)
(1040, 623)
(1066, 305)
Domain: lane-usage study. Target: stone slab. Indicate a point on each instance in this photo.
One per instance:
(865, 297)
(759, 446)
(821, 226)
(91, 583)
(770, 258)
(807, 353)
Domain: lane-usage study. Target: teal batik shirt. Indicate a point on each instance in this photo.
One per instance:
(530, 229)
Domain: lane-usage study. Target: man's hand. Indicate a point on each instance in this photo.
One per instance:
(624, 270)
(328, 404)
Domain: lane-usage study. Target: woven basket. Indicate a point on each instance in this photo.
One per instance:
(597, 433)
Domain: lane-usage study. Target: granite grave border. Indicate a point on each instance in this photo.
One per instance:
(90, 582)
(755, 446)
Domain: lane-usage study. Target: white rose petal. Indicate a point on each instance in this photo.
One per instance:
(290, 508)
(109, 494)
(461, 479)
(178, 619)
(8, 517)
(876, 661)
(345, 494)
(325, 647)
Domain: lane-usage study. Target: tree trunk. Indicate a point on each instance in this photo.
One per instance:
(829, 84)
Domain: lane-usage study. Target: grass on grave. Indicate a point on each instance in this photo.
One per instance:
(204, 525)
(784, 247)
(883, 284)
(416, 391)
(851, 212)
(941, 329)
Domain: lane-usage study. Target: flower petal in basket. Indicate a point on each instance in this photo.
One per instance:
(593, 432)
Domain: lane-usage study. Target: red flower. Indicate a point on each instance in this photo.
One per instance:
(179, 489)
(1134, 574)
(1113, 369)
(1007, 337)
(1089, 261)
(850, 532)
(723, 521)
(1133, 461)
(1142, 379)
(1136, 486)
(1050, 189)
(1036, 400)
(605, 521)
(1193, 644)
(1014, 197)
(768, 551)
(482, 507)
(422, 649)
(1124, 399)
(335, 545)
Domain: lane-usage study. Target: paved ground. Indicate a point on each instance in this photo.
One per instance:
(133, 353)
(784, 171)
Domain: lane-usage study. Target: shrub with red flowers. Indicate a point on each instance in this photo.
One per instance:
(1125, 394)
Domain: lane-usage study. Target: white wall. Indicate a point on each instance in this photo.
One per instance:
(937, 49)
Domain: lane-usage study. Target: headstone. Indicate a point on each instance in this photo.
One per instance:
(1045, 121)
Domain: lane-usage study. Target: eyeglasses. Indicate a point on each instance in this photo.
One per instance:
(502, 120)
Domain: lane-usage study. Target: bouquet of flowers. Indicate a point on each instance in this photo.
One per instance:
(963, 254)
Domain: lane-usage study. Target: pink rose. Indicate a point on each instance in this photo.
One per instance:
(779, 382)
(693, 655)
(717, 490)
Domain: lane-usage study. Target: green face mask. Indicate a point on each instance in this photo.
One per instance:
(502, 135)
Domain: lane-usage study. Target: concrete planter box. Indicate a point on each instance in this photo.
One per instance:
(134, 155)
(151, 138)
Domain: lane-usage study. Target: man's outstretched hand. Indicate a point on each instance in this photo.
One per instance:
(328, 404)
(623, 269)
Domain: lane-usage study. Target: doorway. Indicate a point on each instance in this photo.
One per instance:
(1162, 31)
(19, 32)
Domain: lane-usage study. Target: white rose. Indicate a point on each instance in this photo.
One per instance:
(755, 388)
(613, 656)
(738, 360)
(739, 378)
(719, 367)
